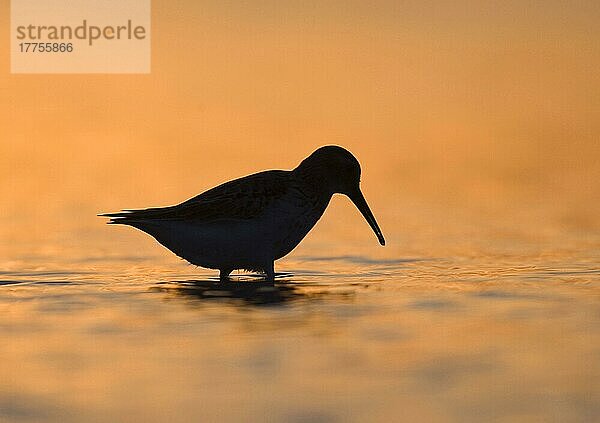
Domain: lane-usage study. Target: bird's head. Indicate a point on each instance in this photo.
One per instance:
(335, 170)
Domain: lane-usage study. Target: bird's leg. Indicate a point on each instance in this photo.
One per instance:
(270, 271)
(224, 274)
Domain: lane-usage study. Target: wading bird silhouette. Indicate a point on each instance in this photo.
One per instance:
(250, 222)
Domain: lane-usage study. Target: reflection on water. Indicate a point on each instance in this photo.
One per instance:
(244, 290)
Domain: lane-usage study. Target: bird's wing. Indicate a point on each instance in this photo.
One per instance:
(243, 198)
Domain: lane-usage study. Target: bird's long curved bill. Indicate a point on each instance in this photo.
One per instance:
(361, 204)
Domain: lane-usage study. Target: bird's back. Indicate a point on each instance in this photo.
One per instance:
(244, 198)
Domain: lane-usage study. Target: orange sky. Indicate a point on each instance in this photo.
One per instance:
(476, 101)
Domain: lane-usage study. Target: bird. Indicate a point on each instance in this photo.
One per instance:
(248, 223)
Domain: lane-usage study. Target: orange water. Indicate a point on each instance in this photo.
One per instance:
(477, 129)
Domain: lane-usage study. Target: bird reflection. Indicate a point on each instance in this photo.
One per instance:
(257, 292)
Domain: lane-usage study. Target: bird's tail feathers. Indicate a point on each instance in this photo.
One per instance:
(127, 217)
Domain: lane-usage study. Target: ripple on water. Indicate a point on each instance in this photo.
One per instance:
(334, 337)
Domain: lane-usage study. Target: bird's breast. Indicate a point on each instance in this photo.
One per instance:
(290, 220)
